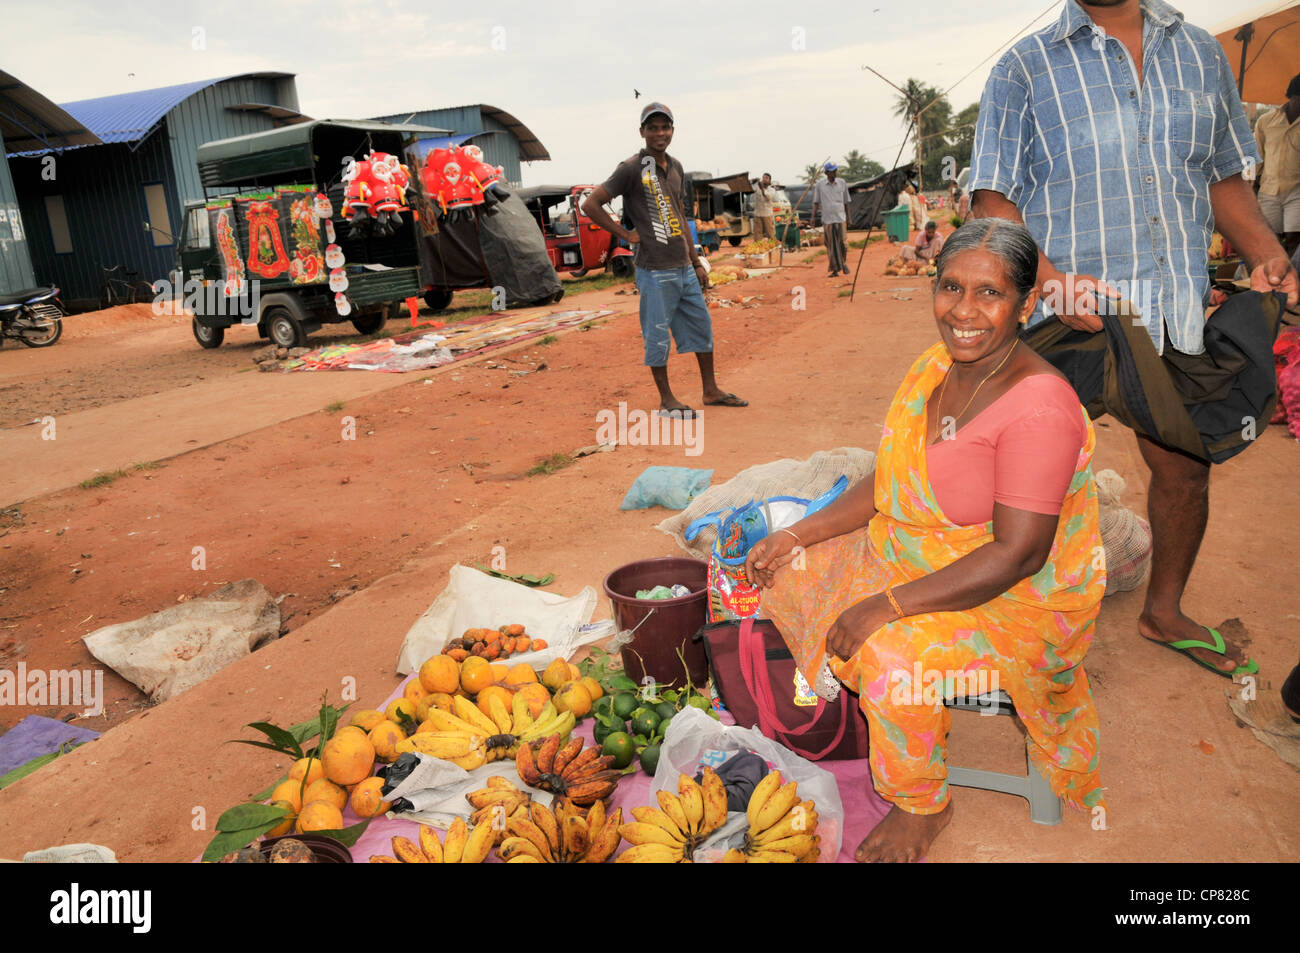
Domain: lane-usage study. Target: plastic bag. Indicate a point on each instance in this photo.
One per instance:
(731, 594)
(694, 740)
(670, 487)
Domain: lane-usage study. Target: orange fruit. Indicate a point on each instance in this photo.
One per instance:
(414, 691)
(399, 707)
(310, 767)
(367, 801)
(574, 674)
(537, 696)
(521, 674)
(287, 826)
(475, 674)
(539, 644)
(574, 697)
(290, 792)
(593, 687)
(484, 705)
(440, 674)
(385, 737)
(348, 757)
(319, 816)
(367, 718)
(499, 672)
(351, 729)
(325, 790)
(556, 674)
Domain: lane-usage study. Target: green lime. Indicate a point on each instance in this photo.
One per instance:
(645, 722)
(650, 759)
(700, 702)
(665, 711)
(621, 747)
(624, 704)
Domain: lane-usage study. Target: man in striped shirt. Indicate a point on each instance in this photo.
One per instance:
(1118, 138)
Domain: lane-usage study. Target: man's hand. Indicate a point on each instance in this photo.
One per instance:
(1074, 298)
(703, 275)
(1276, 274)
(858, 623)
(767, 556)
(632, 237)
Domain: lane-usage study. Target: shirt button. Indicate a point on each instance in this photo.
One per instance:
(1155, 219)
(1150, 180)
(1160, 260)
(1132, 94)
(1142, 138)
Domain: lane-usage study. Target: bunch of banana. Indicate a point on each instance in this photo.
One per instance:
(462, 846)
(580, 774)
(464, 748)
(670, 833)
(496, 803)
(782, 829)
(499, 736)
(562, 836)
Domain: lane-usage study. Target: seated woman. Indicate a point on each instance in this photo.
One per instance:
(974, 552)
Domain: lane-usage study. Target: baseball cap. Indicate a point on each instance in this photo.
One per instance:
(653, 108)
(830, 167)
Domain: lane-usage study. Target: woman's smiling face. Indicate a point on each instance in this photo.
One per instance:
(976, 305)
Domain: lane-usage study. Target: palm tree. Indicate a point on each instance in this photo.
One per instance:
(810, 172)
(925, 109)
(858, 167)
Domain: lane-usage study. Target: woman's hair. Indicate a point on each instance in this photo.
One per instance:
(1009, 241)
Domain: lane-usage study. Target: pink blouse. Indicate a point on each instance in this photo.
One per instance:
(1020, 451)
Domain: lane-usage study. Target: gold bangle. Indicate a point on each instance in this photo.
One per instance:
(889, 594)
(792, 535)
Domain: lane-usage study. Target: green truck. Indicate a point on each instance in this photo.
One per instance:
(269, 244)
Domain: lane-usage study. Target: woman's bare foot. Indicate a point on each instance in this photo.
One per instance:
(902, 838)
(1179, 628)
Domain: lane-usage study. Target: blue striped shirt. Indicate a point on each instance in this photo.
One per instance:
(1111, 175)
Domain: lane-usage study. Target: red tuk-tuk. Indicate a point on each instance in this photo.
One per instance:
(574, 242)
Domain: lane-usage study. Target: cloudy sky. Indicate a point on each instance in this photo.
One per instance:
(755, 86)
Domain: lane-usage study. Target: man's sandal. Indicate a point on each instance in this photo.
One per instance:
(1218, 647)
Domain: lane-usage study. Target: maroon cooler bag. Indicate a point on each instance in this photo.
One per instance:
(754, 673)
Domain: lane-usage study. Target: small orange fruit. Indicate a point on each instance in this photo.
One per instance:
(593, 687)
(475, 674)
(440, 674)
(385, 737)
(348, 757)
(520, 674)
(539, 644)
(574, 697)
(367, 718)
(325, 790)
(499, 673)
(556, 674)
(306, 767)
(319, 816)
(484, 703)
(287, 826)
(574, 674)
(367, 799)
(398, 708)
(414, 691)
(537, 696)
(351, 729)
(290, 792)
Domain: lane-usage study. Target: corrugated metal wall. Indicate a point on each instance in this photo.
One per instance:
(500, 149)
(103, 194)
(15, 253)
(204, 117)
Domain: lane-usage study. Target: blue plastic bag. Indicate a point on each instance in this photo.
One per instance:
(670, 487)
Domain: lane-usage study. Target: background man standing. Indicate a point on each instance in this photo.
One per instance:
(1278, 135)
(832, 197)
(1118, 138)
(764, 223)
(669, 275)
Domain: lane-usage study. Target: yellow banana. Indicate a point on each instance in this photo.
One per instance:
(383, 859)
(446, 721)
(498, 783)
(798, 820)
(447, 745)
(577, 838)
(672, 806)
(692, 802)
(499, 714)
(639, 833)
(772, 857)
(454, 843)
(465, 710)
(485, 796)
(405, 851)
(475, 759)
(524, 827)
(650, 854)
(734, 856)
(514, 846)
(653, 818)
(596, 820)
(765, 788)
(478, 844)
(547, 823)
(523, 718)
(430, 845)
(777, 807)
(798, 844)
(604, 843)
(523, 859)
(715, 801)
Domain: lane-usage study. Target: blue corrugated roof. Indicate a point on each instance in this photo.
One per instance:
(129, 117)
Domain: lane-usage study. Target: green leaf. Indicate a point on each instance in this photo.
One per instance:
(226, 841)
(260, 744)
(287, 742)
(39, 761)
(243, 817)
(348, 835)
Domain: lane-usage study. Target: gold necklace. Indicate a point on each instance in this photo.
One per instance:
(944, 389)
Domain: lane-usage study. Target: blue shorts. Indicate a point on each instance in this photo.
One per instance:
(671, 300)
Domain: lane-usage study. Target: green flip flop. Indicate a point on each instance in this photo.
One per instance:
(1218, 647)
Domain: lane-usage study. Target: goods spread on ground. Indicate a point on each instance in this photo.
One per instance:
(905, 269)
(466, 710)
(760, 246)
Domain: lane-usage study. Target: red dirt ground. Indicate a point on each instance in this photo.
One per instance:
(253, 469)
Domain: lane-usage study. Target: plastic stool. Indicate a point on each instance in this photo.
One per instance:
(1044, 806)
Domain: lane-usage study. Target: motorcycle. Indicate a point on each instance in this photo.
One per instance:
(33, 316)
